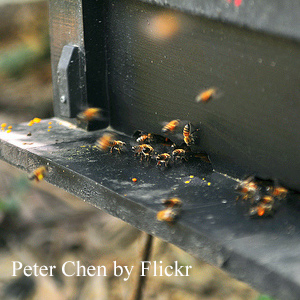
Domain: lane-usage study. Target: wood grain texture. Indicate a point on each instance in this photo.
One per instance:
(66, 28)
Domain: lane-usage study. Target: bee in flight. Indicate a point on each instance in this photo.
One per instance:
(188, 134)
(92, 113)
(172, 202)
(39, 173)
(105, 142)
(207, 95)
(168, 215)
(171, 126)
(172, 211)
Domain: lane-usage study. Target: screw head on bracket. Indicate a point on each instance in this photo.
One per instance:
(63, 99)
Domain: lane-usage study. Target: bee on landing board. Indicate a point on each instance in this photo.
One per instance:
(151, 138)
(39, 173)
(119, 146)
(92, 113)
(144, 151)
(209, 94)
(179, 155)
(264, 208)
(171, 126)
(248, 188)
(163, 159)
(278, 192)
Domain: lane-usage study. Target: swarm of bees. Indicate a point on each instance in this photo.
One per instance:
(263, 198)
(172, 210)
(38, 174)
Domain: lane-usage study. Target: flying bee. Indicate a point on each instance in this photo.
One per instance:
(163, 159)
(92, 113)
(168, 215)
(172, 202)
(179, 154)
(188, 135)
(105, 142)
(205, 96)
(39, 173)
(118, 146)
(171, 126)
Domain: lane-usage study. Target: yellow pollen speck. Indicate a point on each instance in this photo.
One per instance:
(36, 120)
(82, 146)
(9, 127)
(48, 129)
(203, 178)
(208, 183)
(187, 181)
(49, 123)
(3, 125)
(8, 131)
(49, 126)
(191, 176)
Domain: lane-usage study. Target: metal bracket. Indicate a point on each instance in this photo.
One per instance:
(71, 82)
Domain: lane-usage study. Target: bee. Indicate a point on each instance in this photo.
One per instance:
(39, 173)
(105, 142)
(171, 126)
(92, 113)
(188, 135)
(248, 188)
(179, 154)
(168, 215)
(144, 151)
(207, 95)
(172, 202)
(118, 146)
(278, 191)
(163, 159)
(151, 138)
(264, 208)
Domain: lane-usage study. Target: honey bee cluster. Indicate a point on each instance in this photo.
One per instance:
(172, 210)
(148, 149)
(263, 198)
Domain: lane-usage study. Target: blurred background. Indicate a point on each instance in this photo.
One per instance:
(45, 225)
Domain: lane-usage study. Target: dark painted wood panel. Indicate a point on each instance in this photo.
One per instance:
(160, 59)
